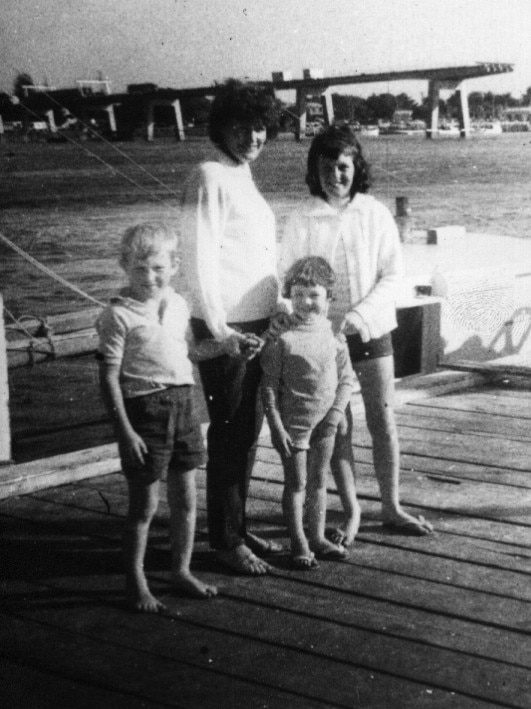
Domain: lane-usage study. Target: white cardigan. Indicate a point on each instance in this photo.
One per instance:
(372, 247)
(229, 246)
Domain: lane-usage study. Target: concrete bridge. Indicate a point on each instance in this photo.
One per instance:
(312, 83)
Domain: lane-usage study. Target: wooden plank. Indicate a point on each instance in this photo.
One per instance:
(196, 664)
(58, 470)
(493, 401)
(179, 674)
(25, 687)
(468, 520)
(450, 421)
(296, 651)
(59, 323)
(416, 553)
(29, 351)
(503, 366)
(423, 464)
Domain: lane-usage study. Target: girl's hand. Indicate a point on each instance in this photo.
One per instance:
(279, 323)
(354, 324)
(281, 441)
(336, 420)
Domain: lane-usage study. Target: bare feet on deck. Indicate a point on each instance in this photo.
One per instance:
(139, 598)
(401, 522)
(242, 560)
(185, 582)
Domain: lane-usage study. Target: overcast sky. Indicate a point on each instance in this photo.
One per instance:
(182, 43)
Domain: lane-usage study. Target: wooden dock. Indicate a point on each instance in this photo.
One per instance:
(441, 621)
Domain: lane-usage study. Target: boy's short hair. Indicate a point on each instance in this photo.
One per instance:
(330, 143)
(143, 240)
(310, 271)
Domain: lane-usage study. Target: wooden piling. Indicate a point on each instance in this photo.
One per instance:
(5, 431)
(403, 219)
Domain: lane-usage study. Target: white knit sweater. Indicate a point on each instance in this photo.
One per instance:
(229, 246)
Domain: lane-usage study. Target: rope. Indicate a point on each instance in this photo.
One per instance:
(107, 164)
(48, 271)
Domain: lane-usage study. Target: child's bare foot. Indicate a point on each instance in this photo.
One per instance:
(323, 549)
(140, 599)
(185, 582)
(401, 522)
(345, 534)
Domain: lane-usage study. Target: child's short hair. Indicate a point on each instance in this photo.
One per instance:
(310, 271)
(143, 240)
(330, 143)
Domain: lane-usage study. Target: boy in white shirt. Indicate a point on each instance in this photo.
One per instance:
(146, 380)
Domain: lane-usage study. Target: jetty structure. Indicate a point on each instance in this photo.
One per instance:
(145, 97)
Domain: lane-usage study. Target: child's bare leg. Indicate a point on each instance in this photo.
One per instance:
(293, 504)
(342, 465)
(143, 502)
(182, 501)
(318, 463)
(376, 378)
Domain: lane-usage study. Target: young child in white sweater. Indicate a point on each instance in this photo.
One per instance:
(307, 383)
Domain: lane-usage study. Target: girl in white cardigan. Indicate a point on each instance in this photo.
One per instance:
(358, 236)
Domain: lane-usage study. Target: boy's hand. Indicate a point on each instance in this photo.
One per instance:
(281, 441)
(133, 447)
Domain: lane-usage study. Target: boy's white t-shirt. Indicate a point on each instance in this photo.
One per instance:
(150, 345)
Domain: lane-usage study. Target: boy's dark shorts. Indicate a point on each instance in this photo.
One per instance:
(167, 422)
(360, 351)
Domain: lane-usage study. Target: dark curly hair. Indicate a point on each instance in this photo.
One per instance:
(332, 142)
(247, 103)
(310, 271)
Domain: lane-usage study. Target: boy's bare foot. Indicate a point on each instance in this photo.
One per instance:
(323, 549)
(242, 560)
(185, 582)
(142, 601)
(401, 522)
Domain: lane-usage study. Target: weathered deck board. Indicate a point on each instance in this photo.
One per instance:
(441, 621)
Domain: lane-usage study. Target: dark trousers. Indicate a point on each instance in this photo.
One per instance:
(231, 387)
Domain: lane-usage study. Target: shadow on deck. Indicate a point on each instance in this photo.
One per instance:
(440, 621)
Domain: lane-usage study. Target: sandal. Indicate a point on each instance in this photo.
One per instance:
(261, 546)
(304, 562)
(242, 561)
(331, 553)
(417, 527)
